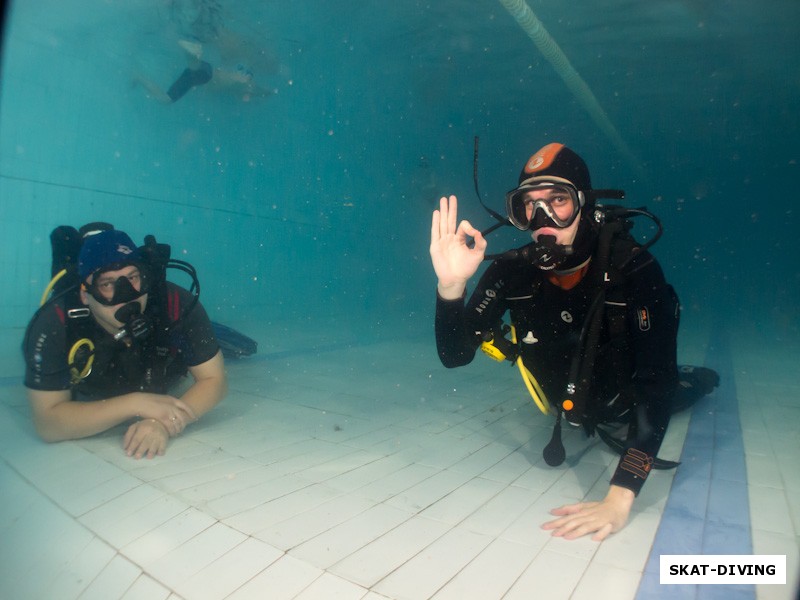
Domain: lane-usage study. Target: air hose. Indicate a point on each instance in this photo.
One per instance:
(534, 389)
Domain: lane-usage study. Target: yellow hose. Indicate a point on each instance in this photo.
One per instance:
(534, 389)
(75, 374)
(50, 285)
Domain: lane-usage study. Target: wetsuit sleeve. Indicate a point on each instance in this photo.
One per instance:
(652, 336)
(453, 345)
(458, 326)
(44, 351)
(195, 337)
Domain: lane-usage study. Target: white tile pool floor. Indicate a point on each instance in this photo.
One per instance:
(369, 472)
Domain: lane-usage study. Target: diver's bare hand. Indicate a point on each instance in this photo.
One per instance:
(600, 518)
(174, 414)
(453, 260)
(145, 438)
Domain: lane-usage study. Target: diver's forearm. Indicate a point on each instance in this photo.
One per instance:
(74, 420)
(205, 395)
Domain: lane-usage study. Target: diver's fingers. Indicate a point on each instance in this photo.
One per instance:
(443, 218)
(603, 532)
(452, 215)
(435, 226)
(480, 242)
(571, 509)
(465, 228)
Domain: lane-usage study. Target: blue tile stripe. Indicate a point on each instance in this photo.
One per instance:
(708, 511)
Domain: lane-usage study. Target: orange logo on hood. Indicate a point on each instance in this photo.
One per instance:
(543, 158)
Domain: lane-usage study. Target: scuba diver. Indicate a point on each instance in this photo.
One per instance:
(593, 323)
(114, 341)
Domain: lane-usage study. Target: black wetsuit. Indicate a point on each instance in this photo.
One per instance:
(117, 368)
(549, 319)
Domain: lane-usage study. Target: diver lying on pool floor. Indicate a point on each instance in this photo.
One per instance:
(114, 342)
(593, 323)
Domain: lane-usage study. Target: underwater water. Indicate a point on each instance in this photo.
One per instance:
(346, 462)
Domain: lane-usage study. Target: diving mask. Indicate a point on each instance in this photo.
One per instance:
(542, 202)
(110, 291)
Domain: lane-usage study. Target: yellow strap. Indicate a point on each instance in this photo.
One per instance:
(534, 389)
(76, 375)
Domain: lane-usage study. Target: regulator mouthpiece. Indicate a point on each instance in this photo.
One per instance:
(135, 324)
